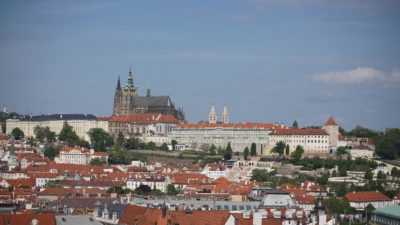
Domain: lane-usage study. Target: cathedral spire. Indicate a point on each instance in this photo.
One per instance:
(129, 85)
(118, 84)
(212, 117)
(148, 89)
(225, 118)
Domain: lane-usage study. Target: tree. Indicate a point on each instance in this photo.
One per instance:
(388, 145)
(395, 172)
(287, 149)
(164, 147)
(142, 190)
(297, 153)
(341, 151)
(171, 190)
(120, 140)
(173, 143)
(212, 150)
(17, 133)
(295, 124)
(228, 152)
(246, 153)
(118, 189)
(262, 175)
(279, 147)
(68, 135)
(150, 146)
(368, 175)
(52, 184)
(253, 149)
(44, 134)
(132, 143)
(99, 139)
(50, 152)
(97, 161)
(341, 189)
(338, 206)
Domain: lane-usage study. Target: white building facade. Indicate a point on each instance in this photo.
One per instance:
(81, 123)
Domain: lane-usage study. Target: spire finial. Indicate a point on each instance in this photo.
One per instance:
(148, 89)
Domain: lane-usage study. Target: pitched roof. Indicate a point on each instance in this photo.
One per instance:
(368, 196)
(152, 101)
(330, 122)
(269, 126)
(26, 219)
(148, 118)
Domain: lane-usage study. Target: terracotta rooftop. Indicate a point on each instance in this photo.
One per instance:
(232, 125)
(330, 122)
(368, 196)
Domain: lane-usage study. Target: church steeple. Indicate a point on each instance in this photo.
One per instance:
(148, 93)
(212, 117)
(129, 85)
(225, 118)
(118, 84)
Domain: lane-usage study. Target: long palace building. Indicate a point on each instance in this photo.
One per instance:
(239, 135)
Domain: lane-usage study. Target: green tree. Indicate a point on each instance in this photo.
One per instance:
(279, 147)
(395, 172)
(173, 143)
(341, 189)
(17, 133)
(120, 140)
(44, 134)
(228, 152)
(132, 143)
(341, 151)
(118, 189)
(99, 139)
(287, 149)
(150, 146)
(164, 147)
(262, 175)
(253, 149)
(297, 153)
(295, 124)
(246, 153)
(388, 145)
(97, 161)
(368, 175)
(50, 152)
(212, 150)
(68, 135)
(338, 206)
(220, 151)
(171, 190)
(52, 184)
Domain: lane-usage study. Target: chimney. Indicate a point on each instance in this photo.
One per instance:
(257, 218)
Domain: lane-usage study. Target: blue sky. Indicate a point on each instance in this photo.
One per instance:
(268, 60)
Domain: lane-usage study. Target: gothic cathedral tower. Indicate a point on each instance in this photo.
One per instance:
(123, 98)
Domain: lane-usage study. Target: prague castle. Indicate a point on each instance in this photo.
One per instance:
(127, 101)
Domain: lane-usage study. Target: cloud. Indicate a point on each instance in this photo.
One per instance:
(361, 75)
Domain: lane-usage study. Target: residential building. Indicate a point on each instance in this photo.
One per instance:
(313, 141)
(154, 182)
(360, 200)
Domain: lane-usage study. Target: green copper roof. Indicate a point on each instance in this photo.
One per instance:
(392, 211)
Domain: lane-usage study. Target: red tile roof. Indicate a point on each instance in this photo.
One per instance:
(232, 125)
(368, 196)
(26, 219)
(150, 118)
(330, 122)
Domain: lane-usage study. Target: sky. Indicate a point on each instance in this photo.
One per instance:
(267, 60)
